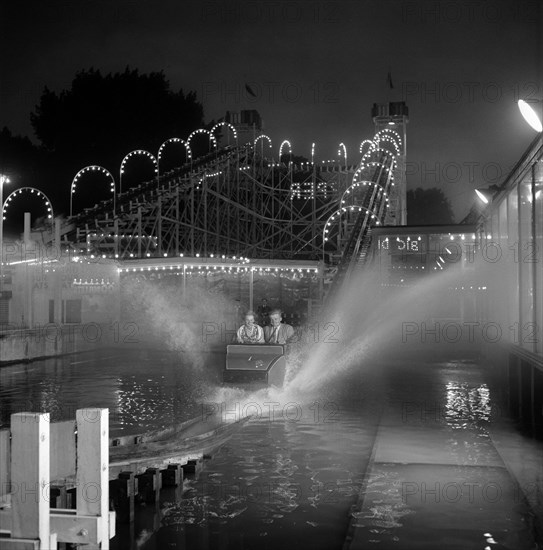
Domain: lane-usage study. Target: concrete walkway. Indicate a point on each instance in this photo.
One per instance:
(436, 480)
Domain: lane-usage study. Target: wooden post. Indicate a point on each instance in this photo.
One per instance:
(172, 476)
(159, 224)
(192, 467)
(30, 482)
(177, 221)
(149, 485)
(124, 498)
(57, 301)
(139, 232)
(184, 283)
(5, 453)
(251, 283)
(92, 477)
(116, 233)
(58, 496)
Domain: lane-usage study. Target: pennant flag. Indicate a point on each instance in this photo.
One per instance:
(248, 88)
(389, 80)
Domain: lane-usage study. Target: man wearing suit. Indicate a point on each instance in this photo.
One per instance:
(277, 332)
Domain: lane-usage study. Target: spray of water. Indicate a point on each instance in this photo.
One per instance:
(369, 319)
(178, 318)
(366, 322)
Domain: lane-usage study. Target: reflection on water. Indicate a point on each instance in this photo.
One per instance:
(143, 390)
(274, 483)
(467, 405)
(292, 479)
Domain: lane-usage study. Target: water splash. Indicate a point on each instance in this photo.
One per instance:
(178, 318)
(365, 323)
(368, 320)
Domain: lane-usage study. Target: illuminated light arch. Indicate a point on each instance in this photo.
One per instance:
(387, 139)
(228, 125)
(379, 150)
(174, 140)
(285, 142)
(32, 190)
(390, 134)
(374, 163)
(363, 183)
(188, 152)
(343, 210)
(369, 142)
(212, 138)
(262, 137)
(134, 153)
(87, 170)
(369, 154)
(342, 146)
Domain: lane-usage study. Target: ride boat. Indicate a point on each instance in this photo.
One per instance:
(255, 363)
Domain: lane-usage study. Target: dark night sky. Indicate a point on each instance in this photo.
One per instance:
(316, 66)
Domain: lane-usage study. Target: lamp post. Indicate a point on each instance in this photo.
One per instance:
(3, 179)
(530, 114)
(482, 196)
(487, 194)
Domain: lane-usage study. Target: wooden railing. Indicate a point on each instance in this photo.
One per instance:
(36, 457)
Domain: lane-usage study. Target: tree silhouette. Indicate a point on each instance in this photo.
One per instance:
(121, 111)
(428, 207)
(20, 159)
(102, 118)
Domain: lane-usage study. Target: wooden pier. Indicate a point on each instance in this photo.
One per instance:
(33, 454)
(68, 482)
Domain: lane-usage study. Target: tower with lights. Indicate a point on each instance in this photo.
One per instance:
(395, 116)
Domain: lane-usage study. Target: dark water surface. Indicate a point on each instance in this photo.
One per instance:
(320, 471)
(144, 389)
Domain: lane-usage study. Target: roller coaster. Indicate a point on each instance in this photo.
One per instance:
(238, 201)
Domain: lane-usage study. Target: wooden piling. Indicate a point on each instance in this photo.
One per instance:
(92, 477)
(123, 499)
(172, 476)
(30, 445)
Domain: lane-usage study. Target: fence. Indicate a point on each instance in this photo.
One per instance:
(40, 460)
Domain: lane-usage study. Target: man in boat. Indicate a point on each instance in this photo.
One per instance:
(277, 332)
(250, 332)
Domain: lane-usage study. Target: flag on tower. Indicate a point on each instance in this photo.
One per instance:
(389, 80)
(250, 90)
